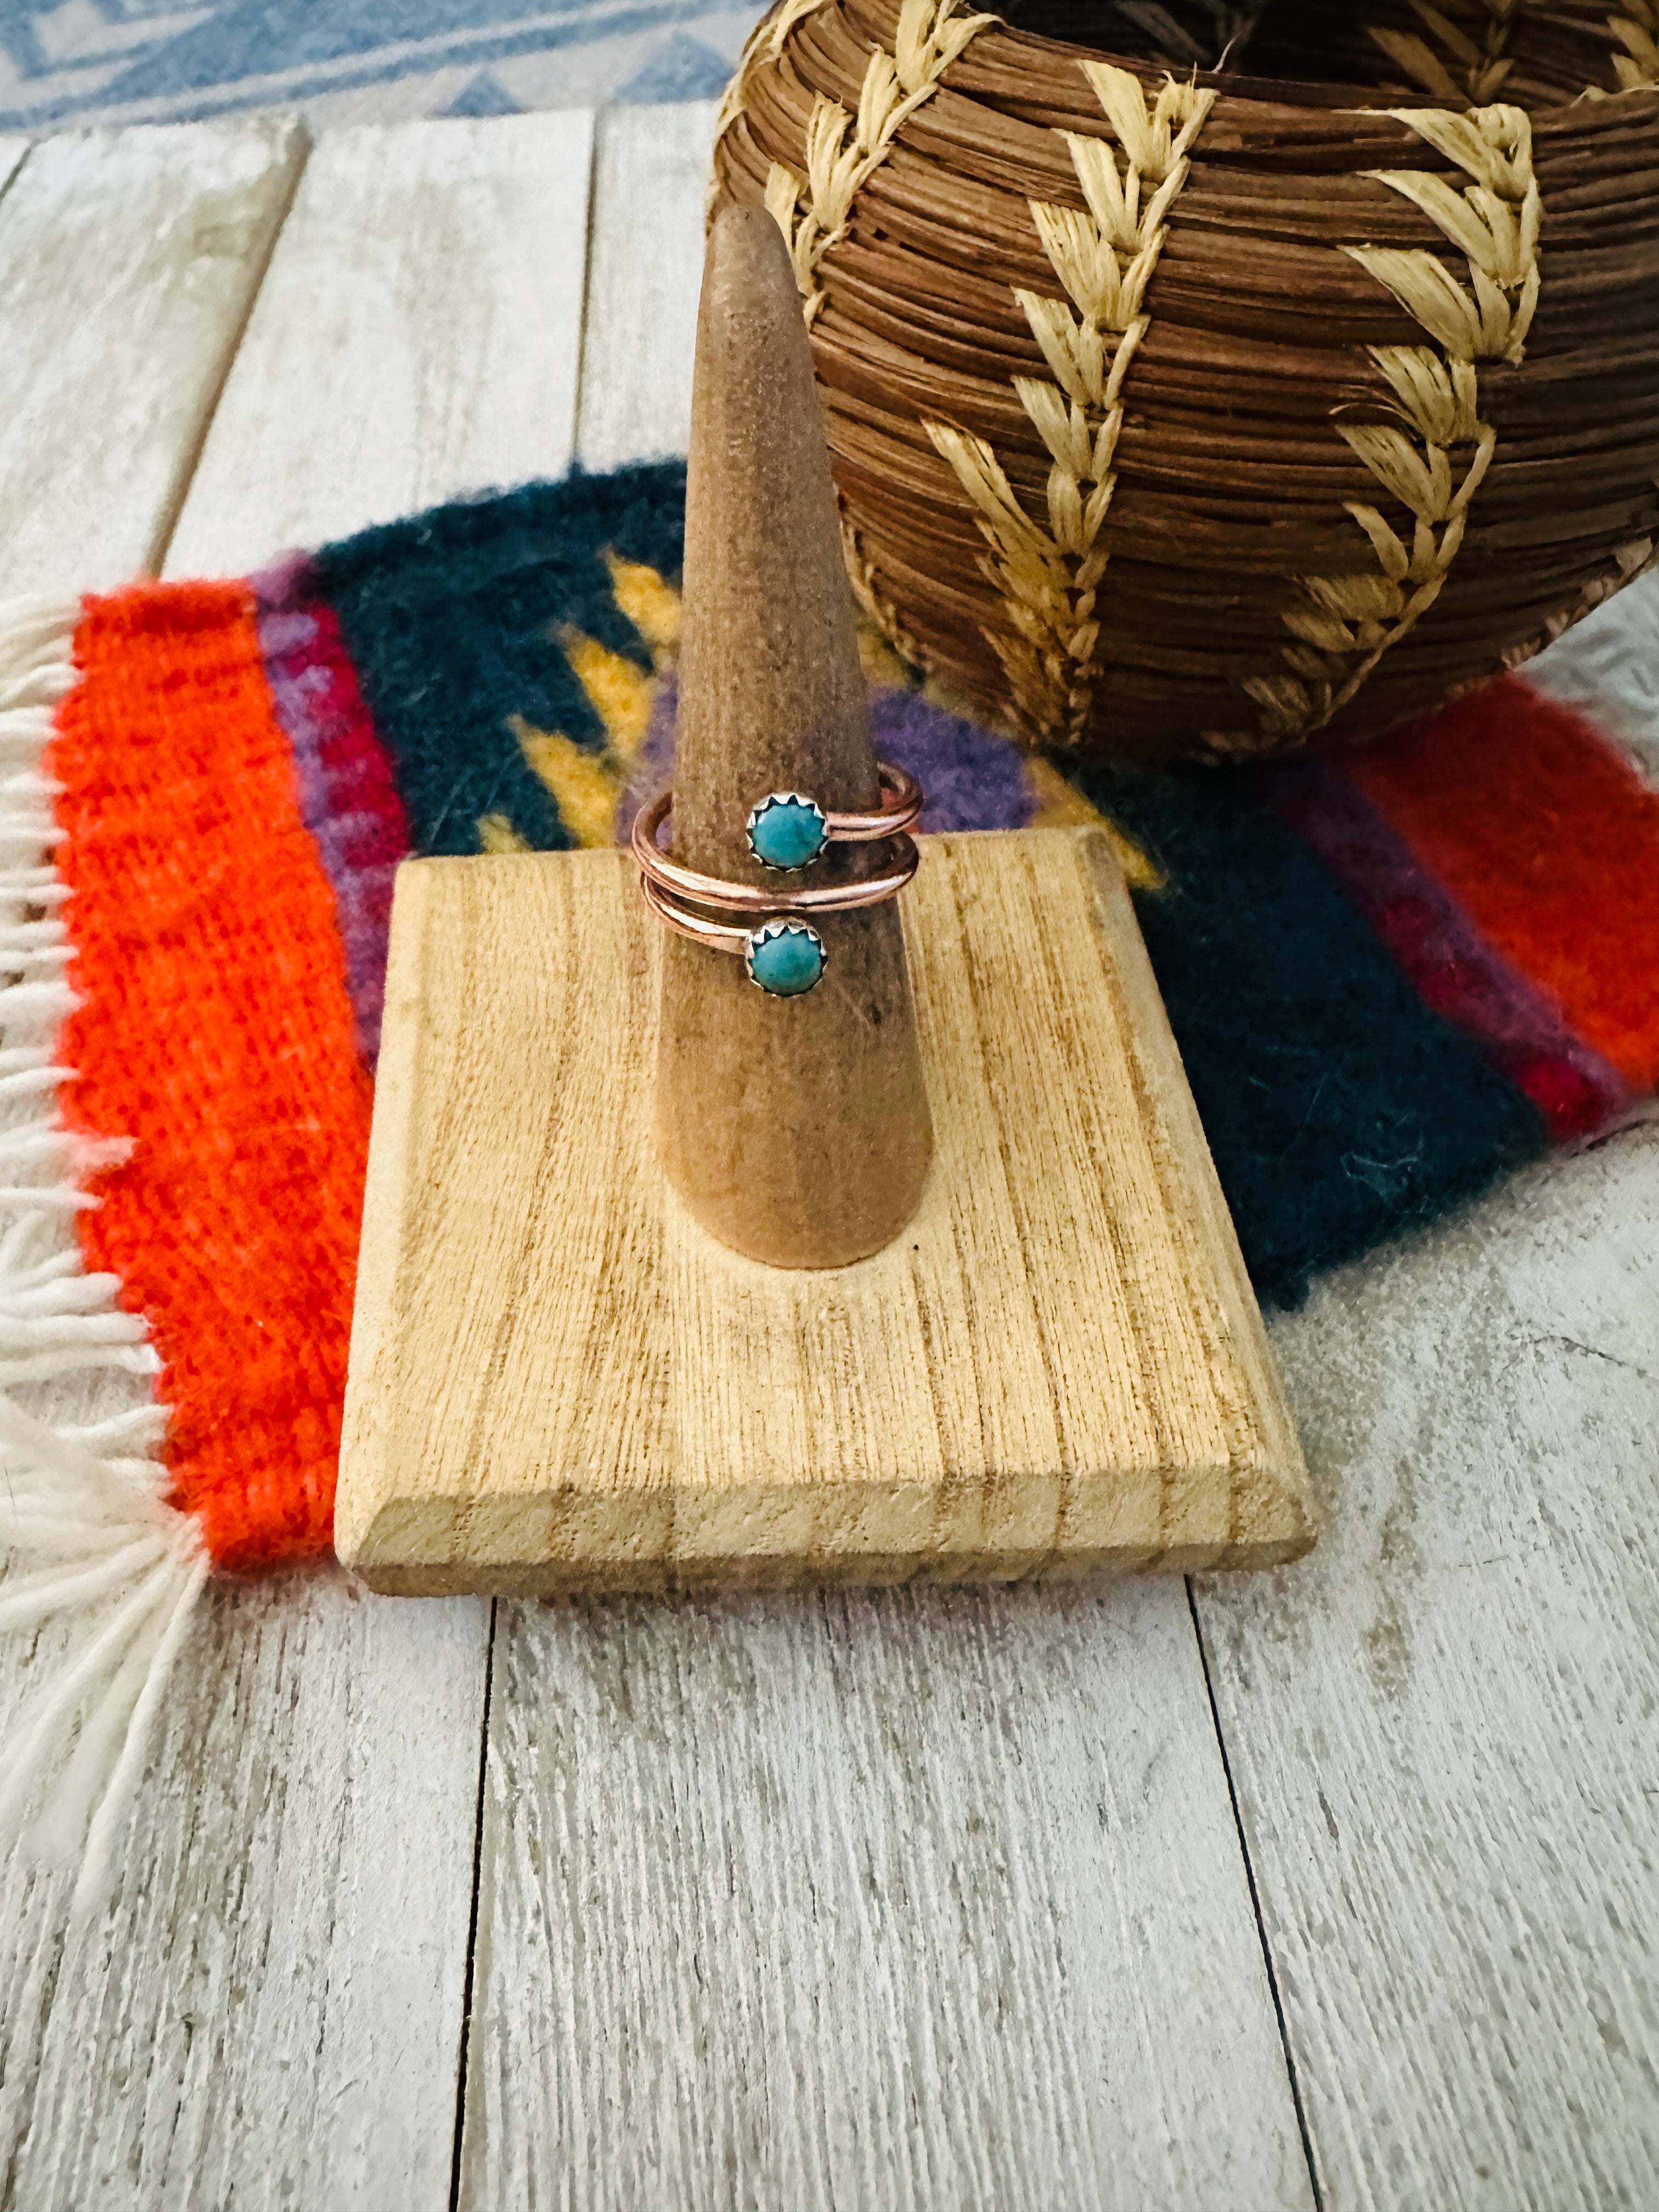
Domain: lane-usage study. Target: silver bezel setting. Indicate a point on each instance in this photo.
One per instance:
(782, 925)
(787, 798)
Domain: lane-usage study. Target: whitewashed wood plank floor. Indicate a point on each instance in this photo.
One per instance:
(918, 1899)
(128, 263)
(1443, 1732)
(417, 336)
(644, 268)
(913, 1899)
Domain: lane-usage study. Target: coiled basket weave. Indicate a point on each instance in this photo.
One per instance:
(1173, 411)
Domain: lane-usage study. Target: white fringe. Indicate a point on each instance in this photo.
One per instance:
(84, 1526)
(1607, 665)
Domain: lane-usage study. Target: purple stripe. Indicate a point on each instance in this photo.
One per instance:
(347, 799)
(974, 779)
(1449, 962)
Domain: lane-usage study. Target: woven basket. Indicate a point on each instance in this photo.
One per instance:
(1175, 413)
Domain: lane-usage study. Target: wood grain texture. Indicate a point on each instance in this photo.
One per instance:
(269, 2011)
(650, 173)
(1058, 1366)
(417, 336)
(922, 1899)
(128, 260)
(930, 1898)
(798, 1134)
(856, 1900)
(1442, 1730)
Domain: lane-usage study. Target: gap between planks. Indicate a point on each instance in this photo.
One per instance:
(299, 1899)
(621, 2099)
(12, 151)
(651, 169)
(127, 262)
(1441, 1730)
(428, 286)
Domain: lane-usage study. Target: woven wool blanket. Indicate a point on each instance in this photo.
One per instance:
(64, 67)
(1393, 977)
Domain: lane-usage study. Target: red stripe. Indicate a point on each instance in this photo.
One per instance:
(215, 1029)
(1550, 843)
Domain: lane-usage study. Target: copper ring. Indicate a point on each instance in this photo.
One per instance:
(719, 936)
(756, 898)
(788, 830)
(901, 806)
(804, 953)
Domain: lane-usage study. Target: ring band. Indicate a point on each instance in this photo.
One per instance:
(781, 950)
(785, 957)
(756, 898)
(788, 830)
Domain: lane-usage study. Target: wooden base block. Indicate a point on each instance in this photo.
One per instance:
(559, 1382)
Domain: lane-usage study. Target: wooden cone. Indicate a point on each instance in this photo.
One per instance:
(795, 1129)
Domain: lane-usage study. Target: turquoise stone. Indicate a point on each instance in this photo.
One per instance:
(786, 958)
(786, 831)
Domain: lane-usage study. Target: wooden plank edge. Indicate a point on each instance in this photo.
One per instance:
(363, 1439)
(13, 153)
(759, 1575)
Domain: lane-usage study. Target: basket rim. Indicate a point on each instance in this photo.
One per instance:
(1308, 95)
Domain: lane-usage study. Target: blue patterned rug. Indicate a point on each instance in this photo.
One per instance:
(354, 61)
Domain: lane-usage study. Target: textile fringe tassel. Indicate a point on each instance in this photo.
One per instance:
(85, 1529)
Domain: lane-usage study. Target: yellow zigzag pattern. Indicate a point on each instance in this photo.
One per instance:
(584, 785)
